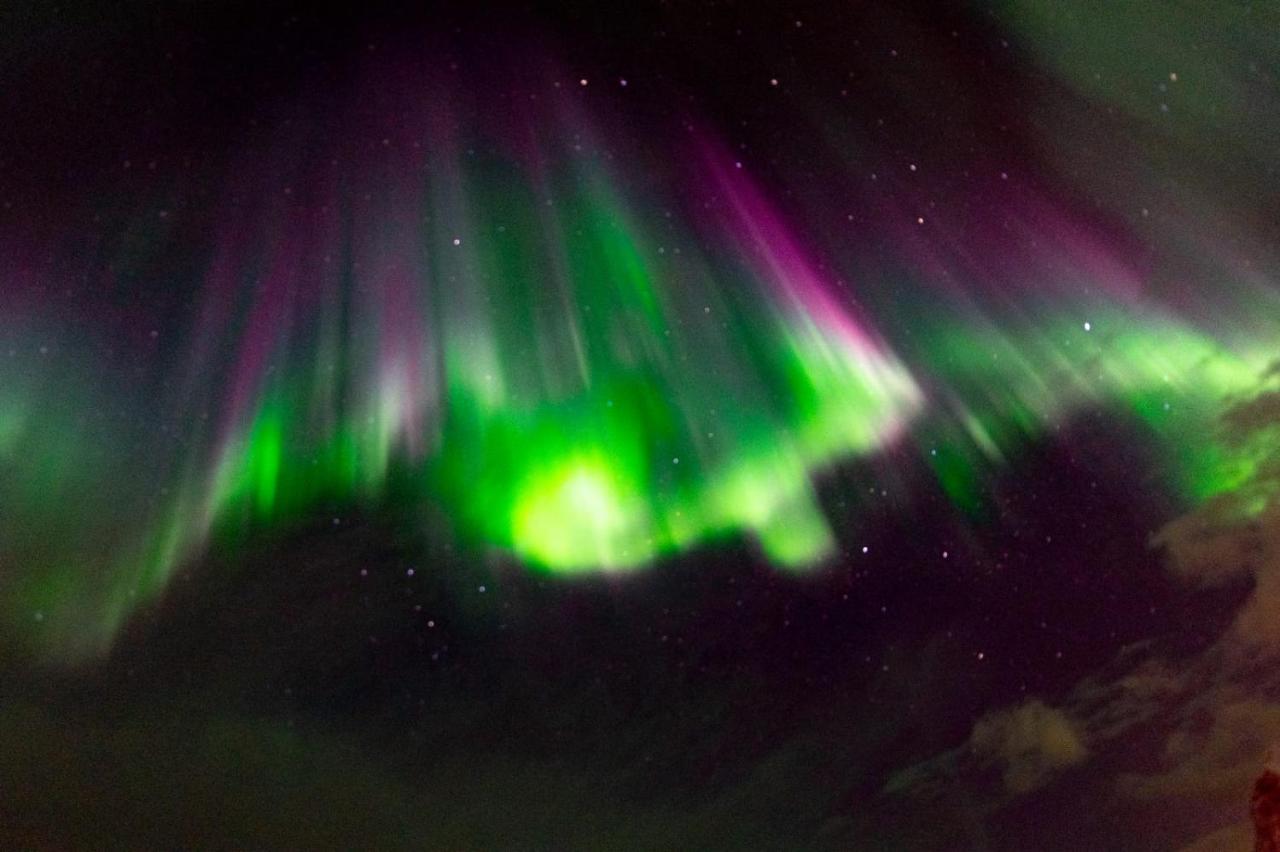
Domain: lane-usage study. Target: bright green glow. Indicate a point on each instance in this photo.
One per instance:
(581, 485)
(580, 515)
(795, 534)
(251, 473)
(265, 447)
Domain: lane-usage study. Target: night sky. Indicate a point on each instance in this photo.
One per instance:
(704, 425)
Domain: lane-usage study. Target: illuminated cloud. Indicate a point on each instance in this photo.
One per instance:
(1030, 743)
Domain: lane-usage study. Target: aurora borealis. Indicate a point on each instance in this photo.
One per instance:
(583, 380)
(574, 303)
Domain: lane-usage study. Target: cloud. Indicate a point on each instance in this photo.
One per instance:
(1222, 706)
(1031, 742)
(1236, 836)
(1226, 715)
(1164, 730)
(1218, 756)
